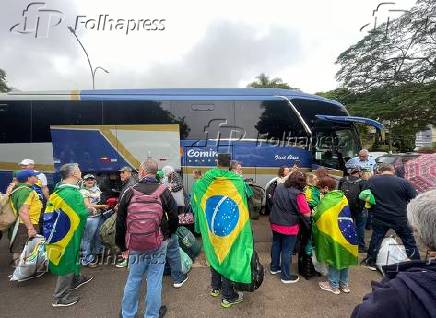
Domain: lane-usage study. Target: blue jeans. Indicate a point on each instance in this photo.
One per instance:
(91, 244)
(338, 276)
(174, 260)
(360, 222)
(403, 231)
(281, 250)
(141, 265)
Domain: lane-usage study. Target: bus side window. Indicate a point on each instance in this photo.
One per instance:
(62, 112)
(205, 119)
(15, 122)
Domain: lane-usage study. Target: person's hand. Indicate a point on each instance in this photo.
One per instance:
(92, 210)
(31, 232)
(125, 254)
(10, 188)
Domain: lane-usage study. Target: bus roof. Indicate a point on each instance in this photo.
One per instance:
(165, 94)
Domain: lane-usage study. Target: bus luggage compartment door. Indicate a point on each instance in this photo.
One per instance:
(110, 147)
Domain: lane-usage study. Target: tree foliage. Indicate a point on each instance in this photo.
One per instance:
(404, 110)
(400, 51)
(3, 87)
(263, 81)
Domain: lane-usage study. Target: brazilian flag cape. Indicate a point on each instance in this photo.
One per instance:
(312, 195)
(334, 233)
(64, 250)
(221, 211)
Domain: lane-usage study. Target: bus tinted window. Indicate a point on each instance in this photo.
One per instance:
(309, 108)
(137, 112)
(15, 121)
(271, 120)
(46, 113)
(204, 119)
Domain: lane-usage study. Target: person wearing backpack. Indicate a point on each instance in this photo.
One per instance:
(270, 187)
(351, 186)
(26, 204)
(146, 219)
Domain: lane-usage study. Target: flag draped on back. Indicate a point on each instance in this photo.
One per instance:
(221, 211)
(67, 214)
(334, 233)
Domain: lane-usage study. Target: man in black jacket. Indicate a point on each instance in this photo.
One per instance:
(408, 289)
(392, 194)
(352, 185)
(146, 264)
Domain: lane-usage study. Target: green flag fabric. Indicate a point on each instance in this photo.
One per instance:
(67, 214)
(334, 233)
(221, 211)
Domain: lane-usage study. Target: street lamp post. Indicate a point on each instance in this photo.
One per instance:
(93, 70)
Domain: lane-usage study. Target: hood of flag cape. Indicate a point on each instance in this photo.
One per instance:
(221, 210)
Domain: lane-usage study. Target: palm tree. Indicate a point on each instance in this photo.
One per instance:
(263, 81)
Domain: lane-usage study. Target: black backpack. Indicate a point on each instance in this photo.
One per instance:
(257, 275)
(269, 193)
(351, 190)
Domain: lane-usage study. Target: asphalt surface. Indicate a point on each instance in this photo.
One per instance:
(102, 296)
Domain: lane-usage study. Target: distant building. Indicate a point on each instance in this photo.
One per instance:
(426, 138)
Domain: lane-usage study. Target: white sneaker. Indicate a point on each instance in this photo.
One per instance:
(178, 285)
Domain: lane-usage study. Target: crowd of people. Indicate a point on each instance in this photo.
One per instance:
(312, 213)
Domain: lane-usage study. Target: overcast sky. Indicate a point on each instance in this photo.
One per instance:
(203, 44)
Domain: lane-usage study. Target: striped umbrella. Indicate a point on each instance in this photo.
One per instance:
(421, 172)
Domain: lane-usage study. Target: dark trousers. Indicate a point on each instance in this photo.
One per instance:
(379, 231)
(360, 222)
(221, 283)
(281, 250)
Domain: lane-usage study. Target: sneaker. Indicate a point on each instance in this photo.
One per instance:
(368, 265)
(292, 279)
(82, 280)
(93, 265)
(214, 292)
(229, 303)
(327, 287)
(178, 285)
(65, 301)
(345, 288)
(162, 311)
(274, 272)
(122, 264)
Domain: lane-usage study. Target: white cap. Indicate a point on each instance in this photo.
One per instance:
(26, 162)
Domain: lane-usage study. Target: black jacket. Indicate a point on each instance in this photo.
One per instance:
(170, 219)
(408, 290)
(392, 194)
(284, 210)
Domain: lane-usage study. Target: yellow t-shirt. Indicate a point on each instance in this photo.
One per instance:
(25, 195)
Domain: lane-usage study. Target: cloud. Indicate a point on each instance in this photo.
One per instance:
(226, 53)
(32, 63)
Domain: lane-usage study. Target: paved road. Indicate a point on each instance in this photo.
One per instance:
(101, 297)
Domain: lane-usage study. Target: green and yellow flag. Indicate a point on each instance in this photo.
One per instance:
(221, 211)
(64, 222)
(334, 233)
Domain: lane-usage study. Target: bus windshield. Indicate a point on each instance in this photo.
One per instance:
(333, 147)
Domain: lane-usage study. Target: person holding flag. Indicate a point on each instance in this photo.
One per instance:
(334, 236)
(221, 215)
(64, 223)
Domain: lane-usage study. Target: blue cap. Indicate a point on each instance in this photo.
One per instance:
(23, 175)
